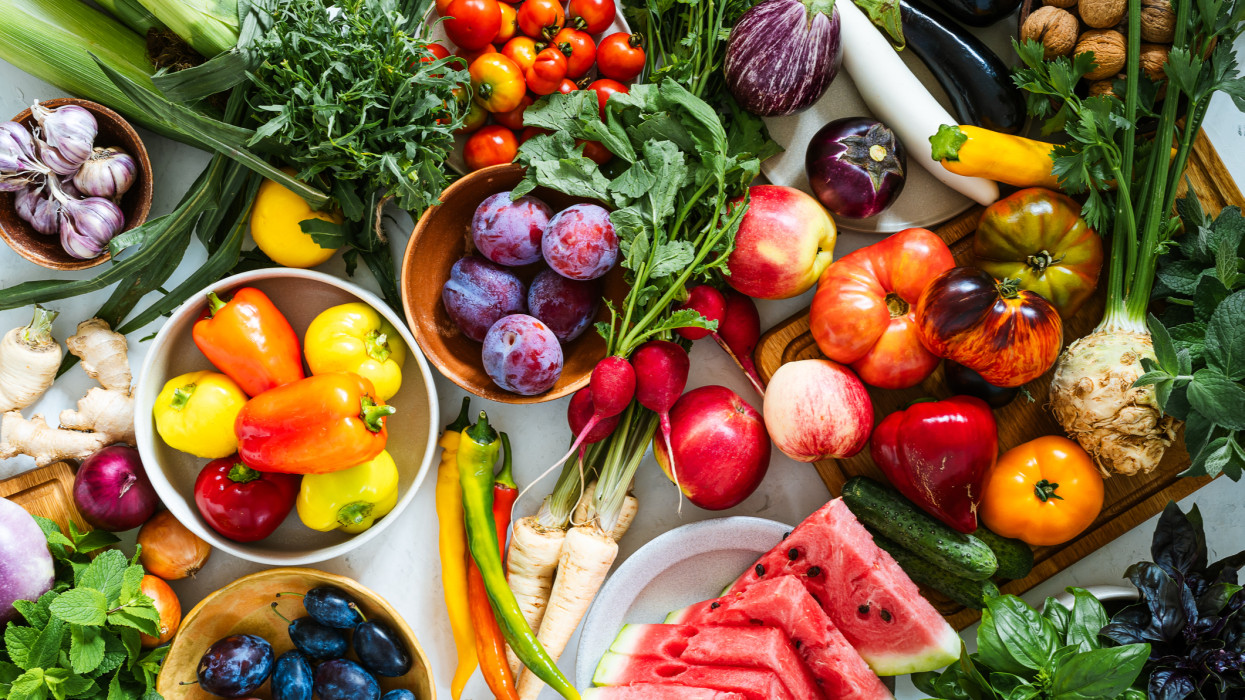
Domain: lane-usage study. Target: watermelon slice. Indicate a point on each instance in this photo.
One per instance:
(648, 691)
(784, 603)
(863, 591)
(754, 684)
(743, 647)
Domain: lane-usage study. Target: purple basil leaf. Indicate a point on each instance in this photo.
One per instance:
(1179, 541)
(1163, 596)
(1170, 684)
(1224, 570)
(1122, 633)
(1214, 599)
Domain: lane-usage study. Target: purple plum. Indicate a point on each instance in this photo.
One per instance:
(580, 242)
(509, 233)
(478, 293)
(522, 355)
(567, 306)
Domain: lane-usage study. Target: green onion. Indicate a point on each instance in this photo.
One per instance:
(209, 26)
(132, 14)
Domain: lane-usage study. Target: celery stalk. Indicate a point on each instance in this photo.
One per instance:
(209, 26)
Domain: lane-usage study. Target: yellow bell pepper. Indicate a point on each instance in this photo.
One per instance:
(351, 500)
(195, 413)
(356, 338)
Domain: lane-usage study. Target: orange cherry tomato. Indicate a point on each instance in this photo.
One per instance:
(477, 117)
(443, 7)
(514, 118)
(596, 152)
(568, 86)
(497, 82)
(541, 19)
(621, 56)
(605, 89)
(580, 50)
(532, 132)
(509, 23)
(492, 145)
(593, 16)
(522, 50)
(547, 73)
(167, 604)
(1044, 492)
(472, 24)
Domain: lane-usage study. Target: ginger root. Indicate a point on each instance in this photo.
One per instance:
(46, 444)
(103, 352)
(105, 411)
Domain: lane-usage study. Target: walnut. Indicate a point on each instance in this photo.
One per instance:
(1153, 57)
(1055, 28)
(1158, 21)
(1065, 4)
(1106, 86)
(1108, 47)
(1102, 13)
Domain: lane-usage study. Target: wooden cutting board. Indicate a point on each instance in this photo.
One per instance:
(1129, 500)
(48, 492)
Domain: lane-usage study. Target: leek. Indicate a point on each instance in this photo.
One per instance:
(132, 14)
(209, 26)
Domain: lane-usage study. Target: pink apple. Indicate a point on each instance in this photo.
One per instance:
(720, 447)
(785, 241)
(817, 409)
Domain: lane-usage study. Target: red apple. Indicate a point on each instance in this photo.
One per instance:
(785, 241)
(720, 447)
(817, 409)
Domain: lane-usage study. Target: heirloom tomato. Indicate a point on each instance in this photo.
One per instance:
(469, 57)
(593, 16)
(580, 50)
(1038, 237)
(1008, 335)
(547, 73)
(509, 23)
(605, 89)
(492, 145)
(497, 82)
(541, 19)
(521, 50)
(472, 24)
(621, 56)
(1044, 492)
(864, 311)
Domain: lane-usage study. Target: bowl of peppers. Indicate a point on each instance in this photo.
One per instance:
(285, 416)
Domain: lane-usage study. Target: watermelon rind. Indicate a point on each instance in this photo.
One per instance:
(610, 669)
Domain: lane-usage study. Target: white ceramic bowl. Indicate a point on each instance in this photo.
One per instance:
(301, 295)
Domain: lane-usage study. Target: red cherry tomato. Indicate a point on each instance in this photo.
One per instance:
(541, 19)
(514, 118)
(596, 152)
(621, 56)
(547, 73)
(593, 16)
(606, 88)
(443, 7)
(473, 24)
(568, 86)
(492, 145)
(532, 132)
(470, 57)
(497, 82)
(580, 50)
(521, 50)
(437, 52)
(509, 23)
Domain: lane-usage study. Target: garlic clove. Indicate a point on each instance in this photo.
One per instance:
(17, 149)
(109, 172)
(69, 130)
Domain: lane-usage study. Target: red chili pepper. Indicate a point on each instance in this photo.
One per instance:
(490, 644)
(505, 492)
(241, 503)
(249, 340)
(324, 423)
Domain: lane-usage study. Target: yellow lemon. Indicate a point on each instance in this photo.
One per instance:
(274, 225)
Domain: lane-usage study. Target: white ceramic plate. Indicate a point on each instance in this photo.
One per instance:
(300, 295)
(681, 567)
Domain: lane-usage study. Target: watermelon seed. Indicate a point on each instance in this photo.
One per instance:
(863, 609)
(760, 570)
(786, 534)
(797, 644)
(886, 616)
(814, 571)
(715, 605)
(793, 554)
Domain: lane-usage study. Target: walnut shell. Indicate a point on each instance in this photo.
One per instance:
(1158, 21)
(1102, 13)
(1108, 47)
(1153, 57)
(1106, 86)
(1065, 4)
(1054, 27)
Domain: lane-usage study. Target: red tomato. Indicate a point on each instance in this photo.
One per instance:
(593, 16)
(497, 82)
(595, 152)
(547, 73)
(472, 24)
(541, 19)
(580, 50)
(470, 57)
(492, 145)
(568, 86)
(531, 132)
(509, 23)
(443, 7)
(514, 118)
(521, 50)
(167, 604)
(437, 52)
(606, 88)
(621, 56)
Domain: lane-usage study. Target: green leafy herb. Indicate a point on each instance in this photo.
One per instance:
(81, 639)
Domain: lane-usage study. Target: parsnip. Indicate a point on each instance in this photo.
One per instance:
(586, 510)
(29, 358)
(530, 565)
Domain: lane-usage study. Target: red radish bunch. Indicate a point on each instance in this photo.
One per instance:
(661, 369)
(738, 330)
(608, 394)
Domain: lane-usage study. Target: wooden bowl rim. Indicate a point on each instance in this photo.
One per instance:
(145, 177)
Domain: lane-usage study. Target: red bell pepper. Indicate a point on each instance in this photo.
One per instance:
(937, 453)
(241, 503)
(324, 423)
(249, 340)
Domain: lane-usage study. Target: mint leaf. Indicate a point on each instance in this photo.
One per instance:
(36, 613)
(143, 619)
(47, 646)
(29, 686)
(105, 574)
(91, 540)
(131, 583)
(81, 606)
(8, 674)
(1214, 395)
(57, 542)
(86, 648)
(64, 684)
(17, 642)
(115, 692)
(1225, 337)
(1101, 673)
(1164, 350)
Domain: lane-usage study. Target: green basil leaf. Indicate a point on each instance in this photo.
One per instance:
(1057, 615)
(1029, 637)
(1101, 673)
(1088, 617)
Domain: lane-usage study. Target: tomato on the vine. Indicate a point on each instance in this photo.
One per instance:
(547, 73)
(492, 145)
(568, 86)
(580, 50)
(497, 82)
(514, 118)
(605, 89)
(593, 16)
(621, 56)
(595, 152)
(473, 24)
(509, 23)
(541, 19)
(521, 50)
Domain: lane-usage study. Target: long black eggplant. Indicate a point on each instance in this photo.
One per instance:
(976, 80)
(979, 13)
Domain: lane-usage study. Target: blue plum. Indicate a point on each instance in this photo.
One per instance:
(330, 606)
(292, 678)
(236, 665)
(341, 679)
(381, 650)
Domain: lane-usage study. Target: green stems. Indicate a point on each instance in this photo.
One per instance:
(560, 505)
(627, 447)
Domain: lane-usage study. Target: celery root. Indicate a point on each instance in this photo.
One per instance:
(29, 359)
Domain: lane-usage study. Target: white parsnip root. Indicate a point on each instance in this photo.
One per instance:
(586, 511)
(530, 565)
(29, 359)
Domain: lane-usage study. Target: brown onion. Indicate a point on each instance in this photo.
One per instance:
(167, 604)
(170, 550)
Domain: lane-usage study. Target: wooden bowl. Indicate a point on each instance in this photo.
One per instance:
(135, 204)
(442, 236)
(244, 607)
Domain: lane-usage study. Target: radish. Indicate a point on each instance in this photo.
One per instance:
(661, 375)
(738, 333)
(579, 414)
(609, 393)
(707, 302)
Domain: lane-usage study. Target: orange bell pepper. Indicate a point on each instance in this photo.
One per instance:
(249, 340)
(1044, 492)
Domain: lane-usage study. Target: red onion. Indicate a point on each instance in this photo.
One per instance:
(112, 490)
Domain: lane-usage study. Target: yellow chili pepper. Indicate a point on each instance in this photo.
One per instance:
(351, 500)
(453, 547)
(976, 152)
(356, 338)
(195, 413)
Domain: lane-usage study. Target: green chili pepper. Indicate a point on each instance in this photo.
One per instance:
(477, 453)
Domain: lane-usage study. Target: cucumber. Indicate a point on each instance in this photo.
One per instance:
(1015, 557)
(888, 512)
(966, 592)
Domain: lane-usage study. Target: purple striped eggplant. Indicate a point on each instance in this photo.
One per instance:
(783, 54)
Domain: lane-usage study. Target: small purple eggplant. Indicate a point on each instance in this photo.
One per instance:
(856, 166)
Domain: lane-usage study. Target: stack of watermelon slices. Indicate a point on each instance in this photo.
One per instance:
(820, 616)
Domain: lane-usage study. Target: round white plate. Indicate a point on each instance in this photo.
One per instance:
(683, 566)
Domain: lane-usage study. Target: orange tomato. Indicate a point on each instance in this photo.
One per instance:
(509, 23)
(547, 73)
(472, 23)
(541, 19)
(521, 50)
(1044, 492)
(492, 145)
(476, 118)
(580, 50)
(497, 82)
(514, 118)
(167, 604)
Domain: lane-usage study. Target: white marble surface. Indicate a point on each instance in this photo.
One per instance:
(403, 566)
